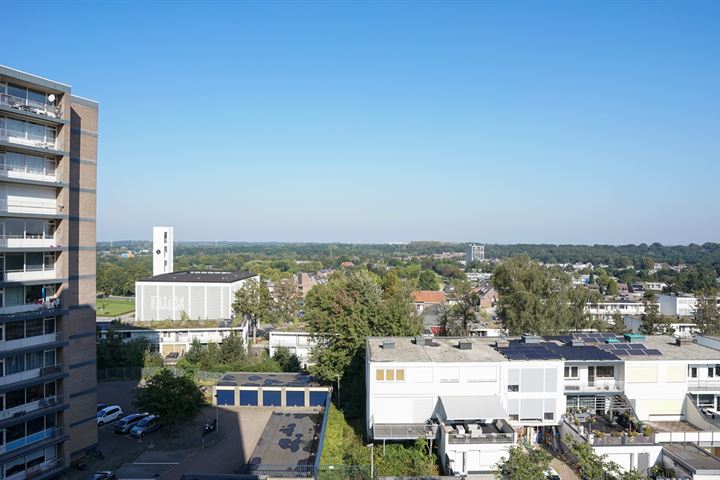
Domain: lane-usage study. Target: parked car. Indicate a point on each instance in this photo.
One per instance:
(172, 358)
(106, 475)
(125, 424)
(551, 474)
(109, 414)
(145, 426)
(100, 406)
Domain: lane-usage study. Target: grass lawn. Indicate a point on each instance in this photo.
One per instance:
(110, 307)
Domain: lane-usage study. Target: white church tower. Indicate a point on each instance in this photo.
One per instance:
(162, 250)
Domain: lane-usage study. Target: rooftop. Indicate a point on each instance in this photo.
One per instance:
(428, 296)
(252, 379)
(693, 457)
(594, 347)
(199, 276)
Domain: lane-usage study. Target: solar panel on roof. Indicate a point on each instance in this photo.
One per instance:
(636, 352)
(653, 351)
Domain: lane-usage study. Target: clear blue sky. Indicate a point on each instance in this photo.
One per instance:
(562, 122)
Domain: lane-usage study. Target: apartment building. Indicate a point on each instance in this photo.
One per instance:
(627, 396)
(48, 161)
(474, 252)
(606, 310)
(298, 342)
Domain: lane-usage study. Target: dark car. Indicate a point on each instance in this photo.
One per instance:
(125, 424)
(145, 426)
(107, 475)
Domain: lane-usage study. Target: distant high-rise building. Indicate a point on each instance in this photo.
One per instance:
(162, 250)
(474, 253)
(48, 164)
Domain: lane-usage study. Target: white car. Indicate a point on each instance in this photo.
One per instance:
(109, 414)
(551, 474)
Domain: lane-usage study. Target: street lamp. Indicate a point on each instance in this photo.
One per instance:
(371, 446)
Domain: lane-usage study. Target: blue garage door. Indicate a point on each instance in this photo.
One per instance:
(295, 399)
(317, 399)
(271, 398)
(249, 398)
(226, 397)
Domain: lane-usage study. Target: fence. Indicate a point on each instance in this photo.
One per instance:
(325, 472)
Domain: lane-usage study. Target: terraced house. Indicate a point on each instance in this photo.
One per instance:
(642, 401)
(48, 159)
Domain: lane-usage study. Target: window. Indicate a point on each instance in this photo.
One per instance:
(693, 372)
(379, 375)
(717, 370)
(400, 375)
(711, 372)
(390, 375)
(513, 416)
(513, 388)
(605, 371)
(571, 372)
(549, 416)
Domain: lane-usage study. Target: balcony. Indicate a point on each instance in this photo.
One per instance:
(31, 207)
(39, 108)
(28, 139)
(31, 341)
(703, 384)
(31, 374)
(21, 242)
(404, 431)
(31, 310)
(599, 385)
(30, 275)
(55, 432)
(27, 173)
(31, 407)
(469, 439)
(48, 469)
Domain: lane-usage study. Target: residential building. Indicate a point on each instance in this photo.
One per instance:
(176, 337)
(655, 286)
(298, 342)
(477, 397)
(163, 250)
(682, 326)
(474, 252)
(305, 282)
(190, 295)
(48, 161)
(679, 305)
(422, 299)
(606, 310)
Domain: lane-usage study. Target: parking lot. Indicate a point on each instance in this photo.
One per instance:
(167, 453)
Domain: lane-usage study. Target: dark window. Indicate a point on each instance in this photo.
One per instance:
(35, 393)
(50, 389)
(15, 398)
(36, 425)
(14, 262)
(33, 261)
(605, 371)
(711, 372)
(549, 416)
(34, 328)
(693, 372)
(14, 330)
(513, 388)
(15, 432)
(49, 325)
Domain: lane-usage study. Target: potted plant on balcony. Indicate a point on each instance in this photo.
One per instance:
(648, 431)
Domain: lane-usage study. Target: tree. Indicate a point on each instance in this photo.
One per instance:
(707, 315)
(285, 303)
(590, 465)
(288, 361)
(252, 301)
(176, 399)
(342, 313)
(526, 463)
(462, 310)
(232, 349)
(652, 322)
(618, 324)
(537, 299)
(428, 280)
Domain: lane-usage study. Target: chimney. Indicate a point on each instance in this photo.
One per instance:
(388, 344)
(530, 338)
(420, 341)
(683, 341)
(465, 345)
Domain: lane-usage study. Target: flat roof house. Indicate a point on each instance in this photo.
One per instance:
(476, 397)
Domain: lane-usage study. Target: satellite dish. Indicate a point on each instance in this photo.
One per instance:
(51, 97)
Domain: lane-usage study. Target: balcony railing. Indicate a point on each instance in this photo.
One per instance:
(31, 310)
(31, 207)
(46, 175)
(20, 241)
(597, 386)
(404, 430)
(31, 341)
(40, 108)
(607, 439)
(47, 469)
(482, 438)
(31, 407)
(29, 139)
(704, 384)
(54, 432)
(31, 374)
(30, 275)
